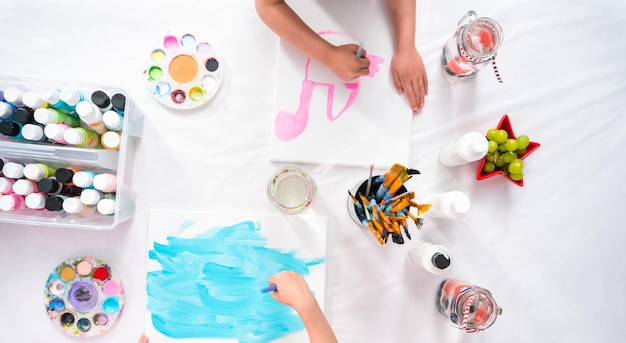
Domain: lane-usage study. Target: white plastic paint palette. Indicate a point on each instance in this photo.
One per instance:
(83, 297)
(183, 73)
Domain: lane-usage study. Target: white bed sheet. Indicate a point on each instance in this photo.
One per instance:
(550, 251)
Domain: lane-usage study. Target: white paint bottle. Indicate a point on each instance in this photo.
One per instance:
(468, 148)
(433, 257)
(449, 205)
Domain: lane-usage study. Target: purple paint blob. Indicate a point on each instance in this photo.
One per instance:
(83, 296)
(100, 319)
(204, 49)
(170, 43)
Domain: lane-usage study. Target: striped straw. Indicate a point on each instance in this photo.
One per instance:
(466, 315)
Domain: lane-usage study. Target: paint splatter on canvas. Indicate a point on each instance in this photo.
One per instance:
(207, 284)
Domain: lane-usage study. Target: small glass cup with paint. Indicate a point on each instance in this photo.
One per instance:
(291, 189)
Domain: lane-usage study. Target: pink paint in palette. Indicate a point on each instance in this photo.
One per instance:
(183, 73)
(83, 297)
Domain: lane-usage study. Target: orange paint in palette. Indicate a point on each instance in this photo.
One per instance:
(83, 297)
(183, 73)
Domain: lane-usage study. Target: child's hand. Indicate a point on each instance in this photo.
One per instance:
(292, 289)
(143, 339)
(342, 61)
(409, 77)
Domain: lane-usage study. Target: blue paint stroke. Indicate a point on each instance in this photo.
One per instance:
(208, 286)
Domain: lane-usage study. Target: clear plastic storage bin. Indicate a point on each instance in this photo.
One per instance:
(57, 155)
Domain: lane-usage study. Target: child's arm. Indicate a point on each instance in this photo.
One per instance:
(341, 60)
(407, 67)
(292, 290)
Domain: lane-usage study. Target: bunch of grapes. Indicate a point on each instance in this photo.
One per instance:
(504, 153)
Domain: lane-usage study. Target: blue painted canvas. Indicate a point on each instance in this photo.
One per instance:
(205, 272)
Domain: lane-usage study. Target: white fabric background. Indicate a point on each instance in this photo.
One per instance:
(550, 252)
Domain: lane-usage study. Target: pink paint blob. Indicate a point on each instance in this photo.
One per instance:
(111, 288)
(170, 43)
(83, 268)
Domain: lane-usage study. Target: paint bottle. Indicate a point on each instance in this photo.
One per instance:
(24, 187)
(36, 201)
(468, 148)
(112, 120)
(83, 138)
(53, 187)
(91, 196)
(56, 132)
(73, 205)
(118, 101)
(14, 96)
(84, 179)
(90, 114)
(6, 185)
(111, 140)
(46, 116)
(13, 170)
(12, 202)
(106, 206)
(11, 129)
(6, 111)
(34, 133)
(33, 100)
(452, 205)
(65, 175)
(433, 257)
(101, 100)
(105, 182)
(55, 203)
(468, 307)
(53, 98)
(24, 115)
(37, 171)
(71, 97)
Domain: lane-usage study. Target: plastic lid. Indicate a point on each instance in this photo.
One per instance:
(461, 203)
(64, 175)
(32, 100)
(54, 131)
(106, 206)
(73, 205)
(70, 96)
(90, 196)
(32, 132)
(88, 112)
(83, 179)
(9, 128)
(74, 136)
(23, 187)
(441, 261)
(112, 120)
(6, 110)
(14, 96)
(35, 201)
(51, 96)
(13, 170)
(118, 101)
(54, 203)
(6, 185)
(100, 99)
(44, 116)
(111, 140)
(23, 115)
(104, 182)
(8, 202)
(49, 185)
(34, 172)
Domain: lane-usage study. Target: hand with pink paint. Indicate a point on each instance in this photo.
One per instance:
(293, 290)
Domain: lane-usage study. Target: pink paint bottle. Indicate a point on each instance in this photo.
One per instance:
(6, 185)
(12, 202)
(105, 182)
(56, 132)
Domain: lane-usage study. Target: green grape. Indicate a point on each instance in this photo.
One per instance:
(520, 152)
(511, 144)
(490, 157)
(500, 136)
(491, 134)
(493, 146)
(516, 166)
(499, 162)
(509, 156)
(522, 141)
(489, 167)
(516, 177)
(502, 148)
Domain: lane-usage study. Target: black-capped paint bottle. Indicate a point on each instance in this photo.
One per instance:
(54, 203)
(53, 187)
(468, 148)
(433, 257)
(24, 115)
(65, 175)
(101, 100)
(118, 102)
(11, 129)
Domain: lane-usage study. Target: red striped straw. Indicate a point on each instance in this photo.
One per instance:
(466, 315)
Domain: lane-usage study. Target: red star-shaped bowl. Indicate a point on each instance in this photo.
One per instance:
(505, 124)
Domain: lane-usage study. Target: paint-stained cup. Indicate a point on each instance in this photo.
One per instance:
(291, 189)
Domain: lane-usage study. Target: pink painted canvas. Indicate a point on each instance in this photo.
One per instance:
(320, 119)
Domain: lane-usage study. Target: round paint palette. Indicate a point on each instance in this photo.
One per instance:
(182, 72)
(83, 297)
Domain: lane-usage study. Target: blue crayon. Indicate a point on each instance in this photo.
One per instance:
(270, 288)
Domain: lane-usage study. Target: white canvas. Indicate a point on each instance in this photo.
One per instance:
(358, 123)
(305, 236)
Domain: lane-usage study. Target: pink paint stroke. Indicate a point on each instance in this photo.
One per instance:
(289, 125)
